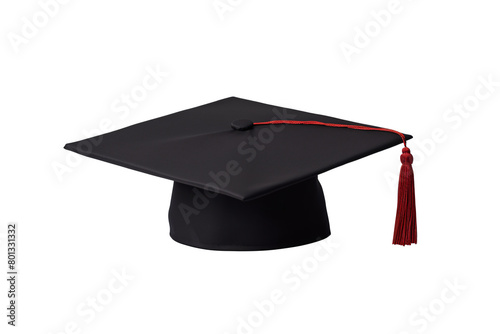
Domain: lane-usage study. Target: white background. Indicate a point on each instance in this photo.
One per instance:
(75, 230)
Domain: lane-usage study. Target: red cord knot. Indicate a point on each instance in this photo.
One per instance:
(406, 157)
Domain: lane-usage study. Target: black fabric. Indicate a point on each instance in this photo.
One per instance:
(193, 145)
(290, 217)
(260, 182)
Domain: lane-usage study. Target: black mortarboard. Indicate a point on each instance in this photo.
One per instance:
(245, 173)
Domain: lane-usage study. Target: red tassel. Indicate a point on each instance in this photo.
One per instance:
(405, 229)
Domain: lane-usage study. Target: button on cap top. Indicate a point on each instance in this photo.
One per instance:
(242, 124)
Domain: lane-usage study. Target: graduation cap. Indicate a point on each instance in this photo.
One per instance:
(245, 173)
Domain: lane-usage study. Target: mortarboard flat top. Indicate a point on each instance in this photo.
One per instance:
(230, 174)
